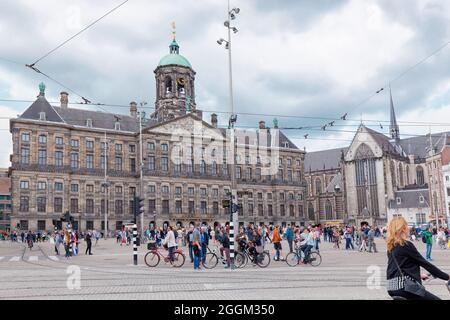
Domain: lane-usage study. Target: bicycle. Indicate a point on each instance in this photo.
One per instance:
(30, 244)
(211, 259)
(399, 298)
(294, 258)
(241, 258)
(153, 257)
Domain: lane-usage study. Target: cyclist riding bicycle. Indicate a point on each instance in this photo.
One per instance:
(306, 244)
(30, 239)
(404, 279)
(253, 245)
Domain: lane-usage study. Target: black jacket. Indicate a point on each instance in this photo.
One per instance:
(410, 261)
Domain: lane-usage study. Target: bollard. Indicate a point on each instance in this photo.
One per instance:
(135, 252)
(232, 243)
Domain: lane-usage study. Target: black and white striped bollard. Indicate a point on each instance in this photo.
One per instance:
(135, 250)
(232, 243)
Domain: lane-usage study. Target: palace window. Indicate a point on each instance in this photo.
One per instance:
(42, 139)
(24, 204)
(25, 156)
(74, 205)
(89, 205)
(74, 160)
(89, 161)
(58, 205)
(89, 145)
(42, 157)
(25, 137)
(59, 141)
(24, 185)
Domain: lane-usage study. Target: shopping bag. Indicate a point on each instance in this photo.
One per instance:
(448, 245)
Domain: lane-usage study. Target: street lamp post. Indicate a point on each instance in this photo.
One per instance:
(105, 185)
(231, 16)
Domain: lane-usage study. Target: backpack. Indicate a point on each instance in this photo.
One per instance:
(424, 239)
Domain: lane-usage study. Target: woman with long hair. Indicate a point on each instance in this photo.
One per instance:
(404, 262)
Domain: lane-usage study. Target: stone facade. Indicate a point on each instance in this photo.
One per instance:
(58, 164)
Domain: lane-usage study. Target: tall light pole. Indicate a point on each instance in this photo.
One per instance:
(105, 185)
(231, 16)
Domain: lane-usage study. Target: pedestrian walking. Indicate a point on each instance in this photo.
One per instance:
(363, 239)
(348, 239)
(58, 240)
(204, 241)
(196, 246)
(88, 239)
(289, 235)
(67, 243)
(189, 239)
(276, 240)
(371, 240)
(225, 247)
(427, 238)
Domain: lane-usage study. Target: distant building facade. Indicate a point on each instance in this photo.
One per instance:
(373, 169)
(411, 204)
(88, 163)
(5, 200)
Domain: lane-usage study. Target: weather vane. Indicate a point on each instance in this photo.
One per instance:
(174, 32)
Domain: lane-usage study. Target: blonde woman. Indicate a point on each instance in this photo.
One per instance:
(404, 262)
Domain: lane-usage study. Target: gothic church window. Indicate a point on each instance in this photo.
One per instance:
(420, 176)
(328, 210)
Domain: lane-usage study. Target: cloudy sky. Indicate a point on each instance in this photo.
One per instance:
(313, 58)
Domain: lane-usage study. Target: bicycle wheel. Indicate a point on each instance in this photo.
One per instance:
(178, 260)
(292, 259)
(240, 260)
(315, 259)
(211, 261)
(263, 260)
(152, 259)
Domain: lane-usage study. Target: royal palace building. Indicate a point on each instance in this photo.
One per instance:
(89, 163)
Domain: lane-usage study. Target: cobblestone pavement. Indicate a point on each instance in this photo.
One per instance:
(109, 274)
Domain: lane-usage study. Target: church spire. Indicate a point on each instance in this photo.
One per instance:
(394, 129)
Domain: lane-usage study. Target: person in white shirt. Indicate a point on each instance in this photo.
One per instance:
(171, 242)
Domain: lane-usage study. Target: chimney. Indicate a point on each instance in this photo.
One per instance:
(214, 120)
(64, 100)
(262, 124)
(133, 109)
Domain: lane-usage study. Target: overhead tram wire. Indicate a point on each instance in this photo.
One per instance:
(384, 87)
(418, 123)
(78, 33)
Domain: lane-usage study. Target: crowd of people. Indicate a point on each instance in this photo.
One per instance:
(66, 239)
(256, 238)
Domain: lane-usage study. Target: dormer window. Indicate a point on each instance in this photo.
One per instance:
(117, 126)
(421, 199)
(399, 200)
(89, 123)
(42, 116)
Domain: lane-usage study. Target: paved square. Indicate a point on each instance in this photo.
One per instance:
(109, 274)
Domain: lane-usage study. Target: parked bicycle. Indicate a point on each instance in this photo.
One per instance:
(241, 259)
(294, 258)
(153, 257)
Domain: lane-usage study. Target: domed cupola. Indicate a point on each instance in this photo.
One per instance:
(175, 78)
